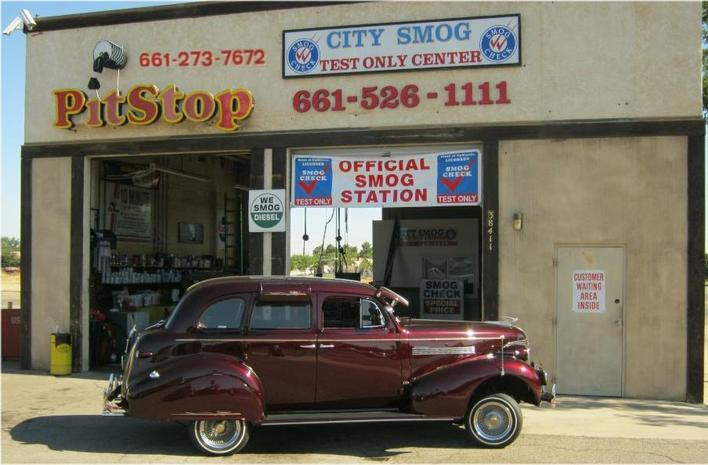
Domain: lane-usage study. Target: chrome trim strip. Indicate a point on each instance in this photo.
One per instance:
(469, 350)
(373, 420)
(212, 414)
(433, 339)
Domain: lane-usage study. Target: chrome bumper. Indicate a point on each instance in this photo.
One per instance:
(546, 396)
(549, 397)
(112, 397)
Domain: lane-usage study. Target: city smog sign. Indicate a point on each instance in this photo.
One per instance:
(442, 299)
(589, 291)
(266, 210)
(407, 46)
(427, 180)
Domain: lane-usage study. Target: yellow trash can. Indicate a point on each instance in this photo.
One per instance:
(60, 354)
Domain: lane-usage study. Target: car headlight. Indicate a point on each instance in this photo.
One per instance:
(518, 349)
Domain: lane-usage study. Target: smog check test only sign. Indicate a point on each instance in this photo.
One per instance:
(266, 210)
(409, 46)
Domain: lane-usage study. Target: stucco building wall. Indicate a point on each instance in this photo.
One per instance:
(51, 240)
(629, 191)
(579, 61)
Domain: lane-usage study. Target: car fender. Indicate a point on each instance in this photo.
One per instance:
(448, 390)
(197, 387)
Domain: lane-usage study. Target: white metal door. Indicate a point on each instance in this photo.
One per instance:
(589, 306)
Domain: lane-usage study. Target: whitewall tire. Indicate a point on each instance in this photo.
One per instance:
(219, 437)
(494, 421)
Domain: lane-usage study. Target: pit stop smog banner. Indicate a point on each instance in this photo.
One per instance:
(448, 43)
(427, 180)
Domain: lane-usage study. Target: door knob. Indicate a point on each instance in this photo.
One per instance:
(617, 301)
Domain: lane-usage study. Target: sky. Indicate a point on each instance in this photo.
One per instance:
(12, 50)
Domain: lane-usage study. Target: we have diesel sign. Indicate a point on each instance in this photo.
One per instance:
(449, 43)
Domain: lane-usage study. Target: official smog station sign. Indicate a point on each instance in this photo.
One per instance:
(442, 298)
(449, 43)
(432, 180)
(589, 291)
(266, 210)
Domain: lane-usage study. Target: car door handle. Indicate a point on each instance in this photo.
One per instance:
(307, 346)
(326, 346)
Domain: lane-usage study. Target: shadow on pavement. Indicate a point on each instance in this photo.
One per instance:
(121, 435)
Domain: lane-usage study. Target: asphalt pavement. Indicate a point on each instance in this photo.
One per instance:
(56, 420)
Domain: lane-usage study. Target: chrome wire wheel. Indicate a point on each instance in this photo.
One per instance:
(219, 437)
(494, 421)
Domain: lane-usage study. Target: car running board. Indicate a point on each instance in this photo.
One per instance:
(315, 418)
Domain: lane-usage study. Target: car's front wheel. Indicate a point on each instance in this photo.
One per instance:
(494, 421)
(219, 437)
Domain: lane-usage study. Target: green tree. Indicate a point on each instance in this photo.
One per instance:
(351, 252)
(366, 250)
(298, 262)
(10, 251)
(365, 265)
(330, 250)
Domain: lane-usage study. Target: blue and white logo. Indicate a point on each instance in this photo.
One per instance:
(498, 43)
(303, 56)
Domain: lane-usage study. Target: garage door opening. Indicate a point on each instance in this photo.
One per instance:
(424, 235)
(157, 225)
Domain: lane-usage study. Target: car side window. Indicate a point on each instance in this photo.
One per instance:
(280, 315)
(224, 314)
(341, 312)
(371, 315)
(351, 312)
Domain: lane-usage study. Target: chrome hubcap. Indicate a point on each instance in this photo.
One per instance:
(220, 434)
(493, 421)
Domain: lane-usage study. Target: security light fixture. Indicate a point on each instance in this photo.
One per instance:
(14, 25)
(518, 221)
(106, 54)
(25, 19)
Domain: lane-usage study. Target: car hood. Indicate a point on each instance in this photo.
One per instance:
(460, 329)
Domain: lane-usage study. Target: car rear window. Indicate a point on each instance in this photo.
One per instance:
(275, 315)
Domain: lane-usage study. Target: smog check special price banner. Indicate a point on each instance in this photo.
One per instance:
(448, 43)
(427, 180)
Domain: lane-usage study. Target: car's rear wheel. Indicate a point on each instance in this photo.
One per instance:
(494, 421)
(219, 437)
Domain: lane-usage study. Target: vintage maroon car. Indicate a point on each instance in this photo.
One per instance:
(240, 352)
